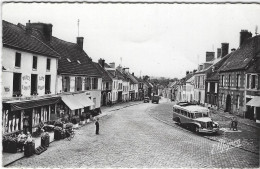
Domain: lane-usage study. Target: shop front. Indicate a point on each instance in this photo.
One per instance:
(254, 106)
(73, 105)
(25, 115)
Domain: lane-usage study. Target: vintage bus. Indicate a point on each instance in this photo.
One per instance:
(194, 118)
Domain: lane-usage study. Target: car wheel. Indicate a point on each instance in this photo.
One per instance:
(196, 129)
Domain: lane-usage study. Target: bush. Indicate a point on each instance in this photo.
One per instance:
(74, 121)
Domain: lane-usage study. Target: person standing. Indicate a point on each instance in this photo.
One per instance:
(97, 126)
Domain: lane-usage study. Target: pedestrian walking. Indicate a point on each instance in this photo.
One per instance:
(97, 126)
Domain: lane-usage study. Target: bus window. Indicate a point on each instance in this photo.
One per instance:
(188, 115)
(197, 115)
(191, 115)
(182, 112)
(185, 113)
(173, 109)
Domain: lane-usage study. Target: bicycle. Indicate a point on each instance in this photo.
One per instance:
(70, 133)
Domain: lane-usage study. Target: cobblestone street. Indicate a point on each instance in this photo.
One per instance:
(130, 137)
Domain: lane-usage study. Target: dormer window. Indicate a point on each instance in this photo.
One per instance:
(78, 62)
(68, 60)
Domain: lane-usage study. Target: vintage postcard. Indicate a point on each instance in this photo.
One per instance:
(130, 84)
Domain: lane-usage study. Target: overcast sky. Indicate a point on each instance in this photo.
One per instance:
(155, 39)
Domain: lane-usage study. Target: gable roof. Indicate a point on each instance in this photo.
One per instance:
(213, 75)
(16, 37)
(73, 59)
(242, 56)
(104, 74)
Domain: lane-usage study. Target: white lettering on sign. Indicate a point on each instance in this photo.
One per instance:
(41, 82)
(26, 83)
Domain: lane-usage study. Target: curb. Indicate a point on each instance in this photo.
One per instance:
(167, 123)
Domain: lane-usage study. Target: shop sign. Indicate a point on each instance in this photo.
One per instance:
(41, 82)
(26, 83)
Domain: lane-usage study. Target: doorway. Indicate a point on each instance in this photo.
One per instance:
(228, 103)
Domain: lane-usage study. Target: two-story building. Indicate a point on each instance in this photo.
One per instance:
(78, 80)
(236, 85)
(29, 72)
(107, 80)
(200, 77)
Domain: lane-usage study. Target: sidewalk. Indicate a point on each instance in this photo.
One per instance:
(8, 158)
(247, 134)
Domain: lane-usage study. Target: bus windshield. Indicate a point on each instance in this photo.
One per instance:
(197, 115)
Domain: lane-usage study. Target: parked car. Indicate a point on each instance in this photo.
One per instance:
(146, 100)
(155, 99)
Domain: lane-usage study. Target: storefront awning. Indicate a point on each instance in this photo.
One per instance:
(72, 102)
(254, 102)
(84, 100)
(28, 104)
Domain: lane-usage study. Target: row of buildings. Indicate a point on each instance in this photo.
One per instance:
(45, 78)
(230, 81)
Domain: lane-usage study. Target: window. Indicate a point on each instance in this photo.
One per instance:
(66, 83)
(78, 83)
(87, 83)
(238, 80)
(253, 77)
(47, 84)
(17, 84)
(94, 83)
(216, 87)
(34, 66)
(48, 67)
(238, 99)
(247, 81)
(222, 80)
(107, 85)
(34, 81)
(208, 86)
(229, 80)
(17, 59)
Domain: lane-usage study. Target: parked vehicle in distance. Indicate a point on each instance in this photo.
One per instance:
(194, 118)
(146, 100)
(155, 99)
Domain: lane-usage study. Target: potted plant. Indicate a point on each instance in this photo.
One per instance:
(57, 132)
(45, 139)
(29, 146)
(82, 120)
(10, 144)
(74, 122)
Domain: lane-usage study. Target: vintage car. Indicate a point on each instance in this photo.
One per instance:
(146, 100)
(155, 99)
(194, 118)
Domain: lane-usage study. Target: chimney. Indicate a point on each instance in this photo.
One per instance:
(101, 62)
(194, 71)
(210, 56)
(187, 72)
(80, 42)
(133, 73)
(224, 49)
(126, 70)
(28, 27)
(244, 35)
(218, 52)
(200, 67)
(45, 28)
(233, 50)
(112, 65)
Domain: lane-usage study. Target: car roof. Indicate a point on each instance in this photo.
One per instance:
(203, 119)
